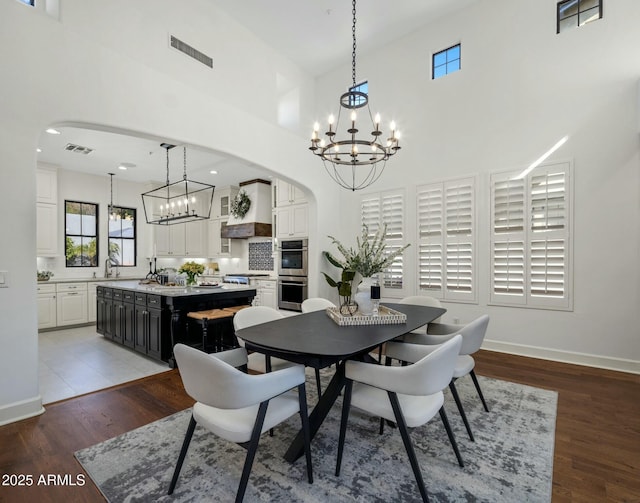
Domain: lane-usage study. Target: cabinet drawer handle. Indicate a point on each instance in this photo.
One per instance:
(73, 293)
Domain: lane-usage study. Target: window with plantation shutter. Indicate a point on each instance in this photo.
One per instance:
(387, 208)
(530, 245)
(446, 240)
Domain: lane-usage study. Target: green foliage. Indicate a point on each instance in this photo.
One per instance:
(346, 277)
(370, 256)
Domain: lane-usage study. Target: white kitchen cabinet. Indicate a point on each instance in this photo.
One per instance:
(46, 212)
(47, 185)
(222, 199)
(92, 297)
(46, 229)
(47, 311)
(170, 240)
(196, 239)
(71, 303)
(181, 240)
(292, 221)
(286, 194)
(266, 294)
(218, 246)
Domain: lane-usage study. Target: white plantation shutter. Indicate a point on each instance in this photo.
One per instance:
(530, 238)
(387, 208)
(393, 216)
(446, 239)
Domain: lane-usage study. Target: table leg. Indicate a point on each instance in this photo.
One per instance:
(319, 413)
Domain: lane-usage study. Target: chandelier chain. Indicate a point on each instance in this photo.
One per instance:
(184, 173)
(353, 54)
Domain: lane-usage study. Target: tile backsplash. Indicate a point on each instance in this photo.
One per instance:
(260, 256)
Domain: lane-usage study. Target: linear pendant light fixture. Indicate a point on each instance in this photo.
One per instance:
(178, 202)
(113, 214)
(353, 162)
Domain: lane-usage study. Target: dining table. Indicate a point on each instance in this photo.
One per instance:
(315, 340)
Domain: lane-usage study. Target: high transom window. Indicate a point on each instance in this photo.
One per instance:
(574, 13)
(446, 62)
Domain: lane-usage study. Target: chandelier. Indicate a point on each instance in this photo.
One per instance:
(354, 162)
(178, 202)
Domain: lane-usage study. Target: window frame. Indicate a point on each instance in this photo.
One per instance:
(95, 236)
(372, 213)
(520, 249)
(118, 210)
(446, 63)
(358, 101)
(577, 15)
(436, 209)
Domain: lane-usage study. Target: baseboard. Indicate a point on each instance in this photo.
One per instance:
(21, 410)
(603, 362)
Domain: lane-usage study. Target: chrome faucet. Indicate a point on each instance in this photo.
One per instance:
(107, 268)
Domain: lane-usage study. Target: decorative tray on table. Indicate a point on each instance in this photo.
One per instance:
(386, 316)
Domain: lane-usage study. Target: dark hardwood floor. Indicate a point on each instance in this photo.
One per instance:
(597, 448)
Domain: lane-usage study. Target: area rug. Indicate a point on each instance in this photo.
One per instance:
(510, 461)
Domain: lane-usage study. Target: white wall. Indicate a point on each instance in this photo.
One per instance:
(108, 63)
(522, 87)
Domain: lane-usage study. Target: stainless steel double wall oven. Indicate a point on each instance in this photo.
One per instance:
(293, 259)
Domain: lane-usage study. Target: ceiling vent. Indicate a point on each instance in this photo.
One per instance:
(78, 149)
(192, 52)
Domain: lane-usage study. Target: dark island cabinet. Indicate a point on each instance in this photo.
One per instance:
(151, 323)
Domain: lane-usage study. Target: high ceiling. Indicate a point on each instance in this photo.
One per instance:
(315, 34)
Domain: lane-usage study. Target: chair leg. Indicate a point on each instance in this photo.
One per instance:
(304, 417)
(183, 453)
(205, 334)
(454, 392)
(346, 405)
(387, 363)
(477, 384)
(318, 382)
(452, 439)
(251, 451)
(406, 439)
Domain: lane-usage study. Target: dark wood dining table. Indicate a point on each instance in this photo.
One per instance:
(315, 340)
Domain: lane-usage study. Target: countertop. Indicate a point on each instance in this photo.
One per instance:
(173, 291)
(87, 280)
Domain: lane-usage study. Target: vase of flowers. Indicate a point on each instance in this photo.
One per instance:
(192, 270)
(368, 259)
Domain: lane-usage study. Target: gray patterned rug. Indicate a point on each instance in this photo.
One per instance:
(510, 461)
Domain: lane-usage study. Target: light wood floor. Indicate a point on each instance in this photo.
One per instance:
(597, 448)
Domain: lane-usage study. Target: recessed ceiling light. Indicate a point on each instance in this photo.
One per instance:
(126, 165)
(52, 131)
(38, 150)
(213, 172)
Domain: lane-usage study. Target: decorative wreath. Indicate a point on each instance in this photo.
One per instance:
(240, 204)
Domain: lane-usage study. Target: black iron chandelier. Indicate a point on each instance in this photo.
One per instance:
(179, 202)
(354, 163)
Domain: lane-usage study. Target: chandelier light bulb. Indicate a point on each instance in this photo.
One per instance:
(331, 120)
(392, 126)
(353, 116)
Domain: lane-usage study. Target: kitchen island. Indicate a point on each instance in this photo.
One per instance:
(152, 318)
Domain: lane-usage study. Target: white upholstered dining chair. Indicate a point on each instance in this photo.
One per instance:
(239, 407)
(472, 336)
(410, 396)
(315, 304)
(258, 362)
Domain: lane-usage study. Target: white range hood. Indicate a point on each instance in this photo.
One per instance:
(257, 221)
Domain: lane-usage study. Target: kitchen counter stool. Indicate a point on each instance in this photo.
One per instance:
(212, 323)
